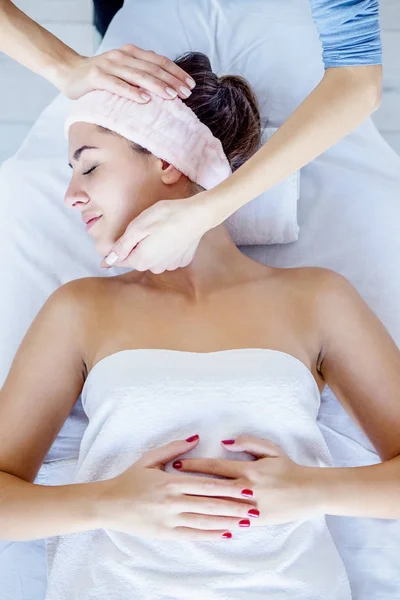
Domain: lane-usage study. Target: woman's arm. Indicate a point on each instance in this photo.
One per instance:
(361, 364)
(33, 512)
(44, 383)
(126, 71)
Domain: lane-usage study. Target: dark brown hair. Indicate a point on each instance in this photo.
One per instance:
(227, 105)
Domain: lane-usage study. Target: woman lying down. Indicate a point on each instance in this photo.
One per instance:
(202, 472)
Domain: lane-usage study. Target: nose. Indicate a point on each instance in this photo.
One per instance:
(75, 198)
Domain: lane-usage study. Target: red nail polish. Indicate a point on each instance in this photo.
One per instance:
(227, 535)
(228, 441)
(177, 464)
(244, 523)
(193, 438)
(247, 493)
(253, 512)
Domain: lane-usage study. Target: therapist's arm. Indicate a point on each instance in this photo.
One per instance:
(343, 99)
(126, 71)
(347, 94)
(33, 46)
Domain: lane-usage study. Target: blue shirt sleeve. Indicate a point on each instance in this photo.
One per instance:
(349, 31)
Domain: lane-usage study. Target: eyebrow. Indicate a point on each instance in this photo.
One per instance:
(77, 153)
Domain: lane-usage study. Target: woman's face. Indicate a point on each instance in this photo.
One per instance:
(111, 183)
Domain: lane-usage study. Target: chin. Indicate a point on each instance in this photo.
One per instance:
(103, 248)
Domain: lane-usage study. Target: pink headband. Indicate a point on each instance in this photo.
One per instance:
(167, 128)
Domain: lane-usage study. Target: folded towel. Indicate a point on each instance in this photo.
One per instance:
(271, 218)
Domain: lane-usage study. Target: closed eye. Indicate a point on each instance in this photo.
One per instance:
(90, 170)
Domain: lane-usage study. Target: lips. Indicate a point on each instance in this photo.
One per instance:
(87, 217)
(92, 222)
(90, 219)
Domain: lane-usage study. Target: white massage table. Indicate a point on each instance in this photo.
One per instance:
(348, 212)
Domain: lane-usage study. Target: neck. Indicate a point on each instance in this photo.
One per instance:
(217, 264)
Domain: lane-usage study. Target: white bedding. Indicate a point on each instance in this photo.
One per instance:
(348, 212)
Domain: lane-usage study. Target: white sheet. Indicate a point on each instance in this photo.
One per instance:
(349, 216)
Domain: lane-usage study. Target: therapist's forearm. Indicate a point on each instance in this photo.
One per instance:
(33, 46)
(372, 491)
(343, 99)
(30, 512)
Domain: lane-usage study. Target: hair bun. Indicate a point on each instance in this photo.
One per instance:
(227, 105)
(228, 80)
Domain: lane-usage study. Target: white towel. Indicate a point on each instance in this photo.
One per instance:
(137, 400)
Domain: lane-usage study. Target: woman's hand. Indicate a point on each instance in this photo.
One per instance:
(146, 501)
(164, 237)
(126, 71)
(283, 490)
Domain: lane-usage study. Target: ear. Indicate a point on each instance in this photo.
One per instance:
(169, 174)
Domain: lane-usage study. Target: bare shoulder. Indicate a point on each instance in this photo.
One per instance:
(336, 304)
(84, 287)
(322, 293)
(315, 280)
(80, 294)
(327, 286)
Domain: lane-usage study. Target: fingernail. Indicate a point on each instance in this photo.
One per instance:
(193, 438)
(191, 83)
(228, 441)
(253, 512)
(111, 259)
(227, 535)
(185, 91)
(171, 92)
(247, 493)
(177, 464)
(244, 523)
(145, 97)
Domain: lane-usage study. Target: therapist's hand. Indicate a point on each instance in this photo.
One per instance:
(283, 490)
(128, 71)
(164, 237)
